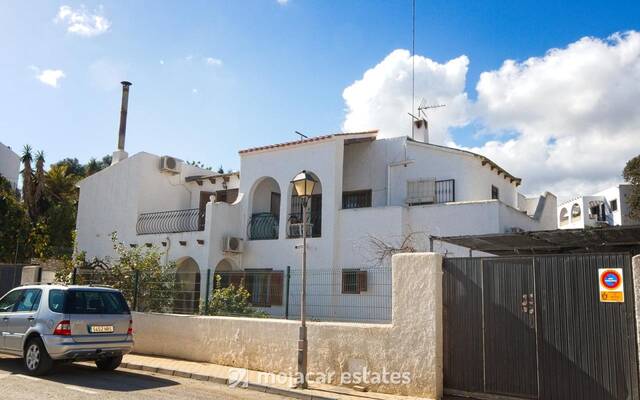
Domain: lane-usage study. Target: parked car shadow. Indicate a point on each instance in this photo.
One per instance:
(87, 376)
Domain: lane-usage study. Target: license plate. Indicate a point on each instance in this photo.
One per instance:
(101, 329)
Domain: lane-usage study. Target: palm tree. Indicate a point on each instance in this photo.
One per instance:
(39, 181)
(28, 190)
(60, 184)
(92, 167)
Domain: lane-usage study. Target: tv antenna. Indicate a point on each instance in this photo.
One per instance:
(423, 107)
(302, 135)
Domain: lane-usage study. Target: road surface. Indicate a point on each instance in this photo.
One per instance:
(74, 381)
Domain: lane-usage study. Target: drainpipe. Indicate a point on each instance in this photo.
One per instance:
(389, 166)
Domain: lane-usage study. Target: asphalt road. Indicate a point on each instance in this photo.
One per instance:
(74, 381)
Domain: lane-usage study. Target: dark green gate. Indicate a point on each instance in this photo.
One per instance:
(533, 327)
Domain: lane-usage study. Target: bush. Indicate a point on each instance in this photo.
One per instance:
(231, 300)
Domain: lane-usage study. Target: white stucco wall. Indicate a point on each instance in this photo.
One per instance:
(366, 167)
(111, 200)
(9, 165)
(618, 217)
(412, 343)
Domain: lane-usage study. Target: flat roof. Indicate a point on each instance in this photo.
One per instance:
(558, 241)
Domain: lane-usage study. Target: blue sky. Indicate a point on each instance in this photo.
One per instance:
(277, 67)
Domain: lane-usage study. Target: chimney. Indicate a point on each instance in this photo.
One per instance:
(120, 154)
(421, 130)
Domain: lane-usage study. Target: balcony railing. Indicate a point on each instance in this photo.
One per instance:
(263, 226)
(314, 225)
(190, 220)
(445, 191)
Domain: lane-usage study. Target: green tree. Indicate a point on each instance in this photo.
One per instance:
(156, 280)
(631, 174)
(14, 228)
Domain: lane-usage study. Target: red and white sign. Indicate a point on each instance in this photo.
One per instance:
(611, 285)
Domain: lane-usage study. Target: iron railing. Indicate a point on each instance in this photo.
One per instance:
(314, 225)
(356, 199)
(263, 226)
(190, 220)
(445, 191)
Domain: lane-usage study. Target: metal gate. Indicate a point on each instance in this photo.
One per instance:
(10, 276)
(533, 327)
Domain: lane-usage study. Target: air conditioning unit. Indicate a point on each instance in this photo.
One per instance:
(233, 244)
(169, 164)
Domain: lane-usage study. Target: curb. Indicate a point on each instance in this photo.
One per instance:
(293, 393)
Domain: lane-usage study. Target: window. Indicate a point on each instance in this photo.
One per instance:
(564, 216)
(94, 302)
(264, 285)
(8, 301)
(29, 301)
(421, 191)
(575, 211)
(227, 196)
(354, 281)
(356, 199)
(614, 205)
(56, 300)
(495, 193)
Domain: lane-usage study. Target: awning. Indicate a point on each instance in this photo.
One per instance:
(588, 240)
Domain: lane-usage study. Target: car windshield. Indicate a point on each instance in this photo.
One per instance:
(78, 301)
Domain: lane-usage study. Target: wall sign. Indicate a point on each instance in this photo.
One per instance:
(611, 285)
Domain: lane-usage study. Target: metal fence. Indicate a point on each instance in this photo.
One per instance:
(263, 226)
(349, 294)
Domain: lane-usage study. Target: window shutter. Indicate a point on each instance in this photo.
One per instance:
(362, 281)
(277, 279)
(237, 279)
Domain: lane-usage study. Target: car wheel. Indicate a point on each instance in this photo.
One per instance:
(109, 363)
(36, 359)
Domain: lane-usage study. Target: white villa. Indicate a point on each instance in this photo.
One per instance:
(250, 220)
(9, 165)
(606, 208)
(248, 223)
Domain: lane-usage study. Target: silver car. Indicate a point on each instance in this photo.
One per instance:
(47, 323)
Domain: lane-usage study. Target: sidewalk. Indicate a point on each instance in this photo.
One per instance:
(252, 380)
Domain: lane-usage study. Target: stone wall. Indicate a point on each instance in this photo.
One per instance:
(411, 344)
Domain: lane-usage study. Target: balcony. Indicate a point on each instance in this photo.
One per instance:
(190, 220)
(263, 226)
(314, 225)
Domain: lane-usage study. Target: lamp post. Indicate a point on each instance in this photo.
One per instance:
(303, 184)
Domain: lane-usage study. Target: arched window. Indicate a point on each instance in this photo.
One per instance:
(265, 210)
(564, 216)
(314, 212)
(576, 211)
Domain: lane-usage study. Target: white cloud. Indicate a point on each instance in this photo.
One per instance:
(575, 110)
(283, 2)
(571, 117)
(82, 22)
(49, 77)
(213, 61)
(161, 62)
(194, 91)
(382, 98)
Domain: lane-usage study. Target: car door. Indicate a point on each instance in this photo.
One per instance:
(22, 318)
(7, 304)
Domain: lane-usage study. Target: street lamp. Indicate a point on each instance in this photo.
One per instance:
(303, 184)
